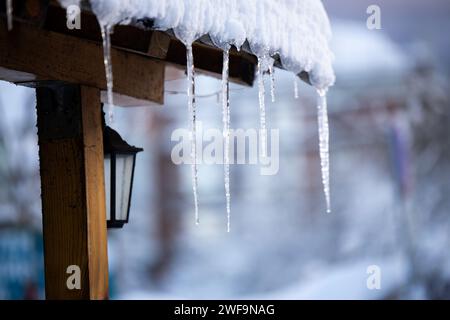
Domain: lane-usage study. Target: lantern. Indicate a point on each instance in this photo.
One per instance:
(120, 161)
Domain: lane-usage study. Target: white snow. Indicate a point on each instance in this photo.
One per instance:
(346, 281)
(298, 30)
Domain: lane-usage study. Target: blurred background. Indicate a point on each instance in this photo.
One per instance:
(390, 180)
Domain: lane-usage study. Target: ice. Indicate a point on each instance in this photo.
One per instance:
(9, 14)
(324, 144)
(106, 36)
(297, 30)
(272, 82)
(226, 132)
(66, 3)
(295, 86)
(265, 63)
(192, 120)
(262, 107)
(187, 35)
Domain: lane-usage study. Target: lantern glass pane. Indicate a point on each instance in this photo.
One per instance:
(108, 186)
(124, 172)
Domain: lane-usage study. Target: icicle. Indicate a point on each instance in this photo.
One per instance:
(324, 136)
(295, 87)
(192, 119)
(272, 82)
(262, 108)
(106, 36)
(226, 132)
(9, 14)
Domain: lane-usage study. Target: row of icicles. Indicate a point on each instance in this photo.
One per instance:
(322, 118)
(106, 31)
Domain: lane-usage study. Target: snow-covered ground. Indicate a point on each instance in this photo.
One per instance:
(338, 282)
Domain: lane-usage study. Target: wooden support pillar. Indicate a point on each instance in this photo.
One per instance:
(73, 191)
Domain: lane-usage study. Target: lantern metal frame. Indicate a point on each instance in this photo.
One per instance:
(114, 145)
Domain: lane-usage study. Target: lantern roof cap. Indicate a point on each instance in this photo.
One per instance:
(113, 143)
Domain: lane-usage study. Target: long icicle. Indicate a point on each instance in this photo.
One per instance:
(262, 109)
(226, 118)
(192, 120)
(106, 36)
(324, 137)
(9, 14)
(272, 82)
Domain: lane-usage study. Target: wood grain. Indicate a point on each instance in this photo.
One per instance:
(95, 192)
(46, 55)
(73, 193)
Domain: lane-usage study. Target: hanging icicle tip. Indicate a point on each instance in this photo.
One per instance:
(106, 31)
(193, 124)
(272, 82)
(262, 108)
(9, 14)
(226, 118)
(324, 137)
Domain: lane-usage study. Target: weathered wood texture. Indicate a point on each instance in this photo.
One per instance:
(73, 192)
(147, 42)
(30, 54)
(157, 44)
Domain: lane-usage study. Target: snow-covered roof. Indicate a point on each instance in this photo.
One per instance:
(295, 33)
(298, 31)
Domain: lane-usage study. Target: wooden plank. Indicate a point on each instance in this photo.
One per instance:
(144, 41)
(73, 193)
(48, 56)
(124, 36)
(157, 44)
(210, 61)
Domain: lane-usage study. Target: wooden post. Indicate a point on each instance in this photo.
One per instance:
(73, 190)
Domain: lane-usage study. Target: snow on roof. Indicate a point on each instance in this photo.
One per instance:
(297, 30)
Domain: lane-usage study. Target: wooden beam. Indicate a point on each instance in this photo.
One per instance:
(124, 36)
(73, 190)
(210, 61)
(141, 39)
(50, 56)
(157, 44)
